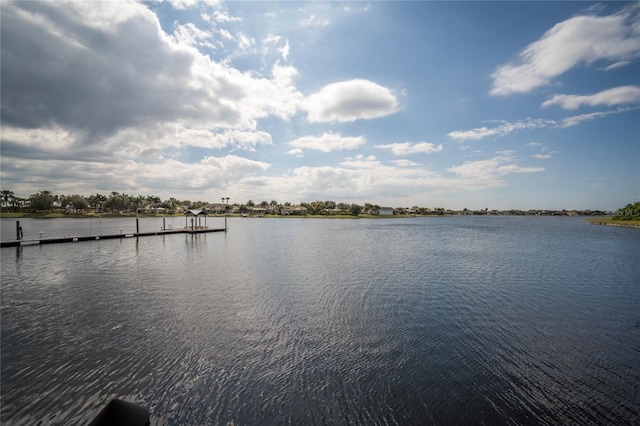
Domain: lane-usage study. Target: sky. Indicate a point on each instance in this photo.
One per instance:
(499, 105)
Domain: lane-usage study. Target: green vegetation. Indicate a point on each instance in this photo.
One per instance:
(47, 204)
(629, 212)
(627, 216)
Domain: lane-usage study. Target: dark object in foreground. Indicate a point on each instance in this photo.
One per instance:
(121, 413)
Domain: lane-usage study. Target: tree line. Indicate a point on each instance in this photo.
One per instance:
(46, 201)
(629, 212)
(113, 202)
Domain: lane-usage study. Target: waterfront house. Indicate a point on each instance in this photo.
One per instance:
(293, 210)
(258, 211)
(216, 208)
(386, 211)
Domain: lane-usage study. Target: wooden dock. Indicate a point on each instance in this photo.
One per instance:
(73, 239)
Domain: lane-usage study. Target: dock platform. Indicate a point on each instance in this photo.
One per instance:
(73, 239)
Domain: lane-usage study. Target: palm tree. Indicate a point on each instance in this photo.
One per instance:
(172, 202)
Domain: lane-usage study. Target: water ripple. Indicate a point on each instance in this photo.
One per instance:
(422, 321)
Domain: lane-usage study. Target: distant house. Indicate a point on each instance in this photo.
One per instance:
(293, 210)
(386, 211)
(216, 208)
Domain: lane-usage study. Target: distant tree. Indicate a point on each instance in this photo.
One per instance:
(118, 202)
(629, 212)
(96, 201)
(310, 208)
(198, 204)
(172, 203)
(355, 209)
(250, 204)
(42, 201)
(154, 200)
(138, 202)
(76, 201)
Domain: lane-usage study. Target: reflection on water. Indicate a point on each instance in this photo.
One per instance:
(426, 320)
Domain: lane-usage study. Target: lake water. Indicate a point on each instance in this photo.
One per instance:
(453, 320)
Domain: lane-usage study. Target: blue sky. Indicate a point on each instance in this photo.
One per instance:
(435, 104)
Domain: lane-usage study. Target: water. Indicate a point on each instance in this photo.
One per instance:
(460, 320)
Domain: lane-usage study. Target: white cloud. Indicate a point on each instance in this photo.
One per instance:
(542, 156)
(188, 4)
(360, 179)
(328, 142)
(226, 34)
(272, 38)
(615, 96)
(165, 178)
(578, 40)
(507, 127)
(315, 21)
(361, 162)
(617, 65)
(296, 152)
(491, 168)
(501, 130)
(404, 163)
(155, 79)
(222, 17)
(242, 140)
(190, 35)
(365, 179)
(577, 119)
(245, 42)
(284, 50)
(282, 46)
(544, 153)
(349, 101)
(407, 148)
(51, 137)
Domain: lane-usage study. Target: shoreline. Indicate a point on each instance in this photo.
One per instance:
(619, 223)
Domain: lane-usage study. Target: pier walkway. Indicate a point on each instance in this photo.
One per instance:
(73, 239)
